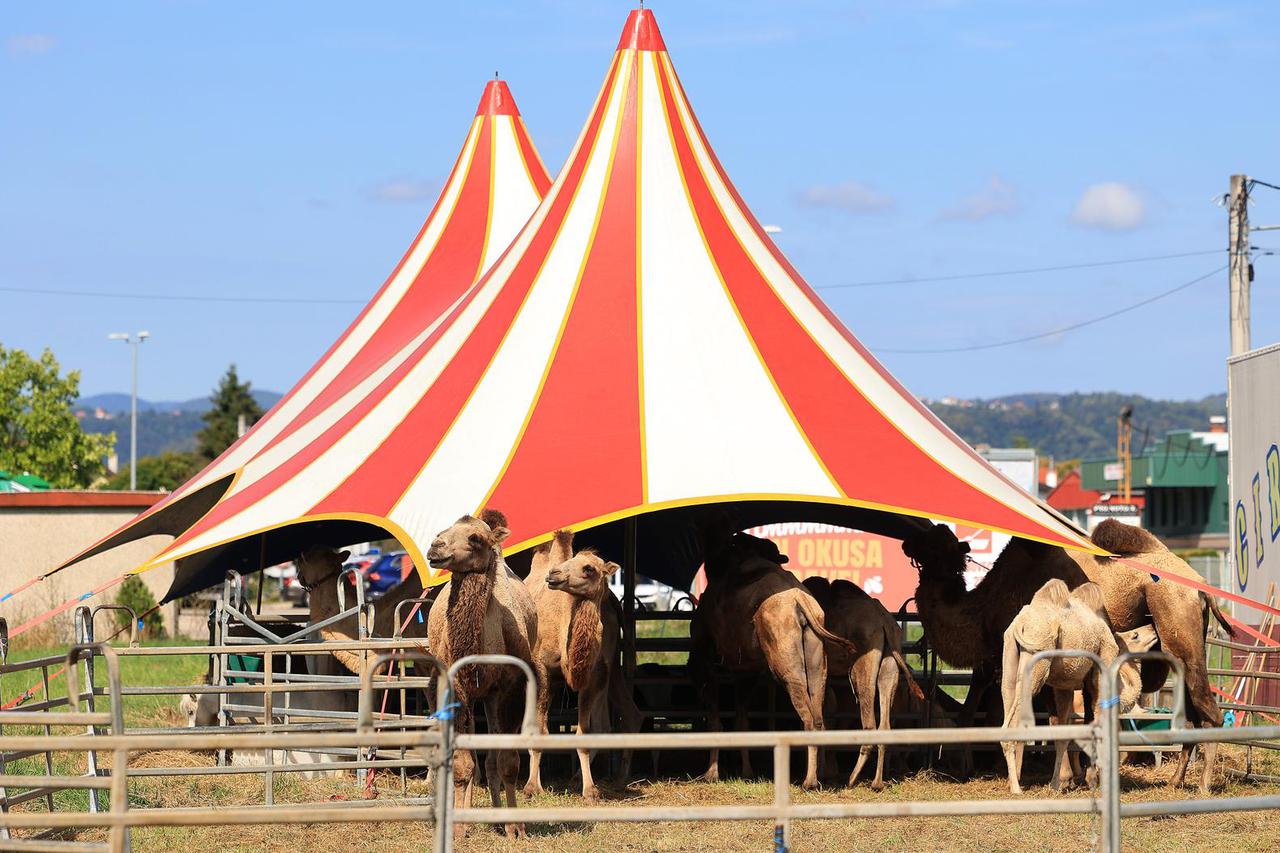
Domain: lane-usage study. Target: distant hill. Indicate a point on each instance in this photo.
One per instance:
(1071, 426)
(1065, 426)
(162, 425)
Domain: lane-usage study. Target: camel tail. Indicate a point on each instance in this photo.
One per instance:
(1217, 614)
(906, 672)
(811, 613)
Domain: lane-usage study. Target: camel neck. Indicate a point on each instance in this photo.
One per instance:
(582, 643)
(469, 597)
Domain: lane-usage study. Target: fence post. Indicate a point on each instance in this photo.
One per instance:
(1109, 753)
(782, 798)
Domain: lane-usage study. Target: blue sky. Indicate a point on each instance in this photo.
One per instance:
(292, 149)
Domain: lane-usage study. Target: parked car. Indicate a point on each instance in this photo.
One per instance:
(385, 572)
(650, 594)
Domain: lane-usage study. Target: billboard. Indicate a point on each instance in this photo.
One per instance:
(874, 562)
(1253, 402)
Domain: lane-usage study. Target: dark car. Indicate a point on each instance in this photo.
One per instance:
(385, 572)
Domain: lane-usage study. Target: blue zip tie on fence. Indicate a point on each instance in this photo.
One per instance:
(445, 713)
(1109, 703)
(1228, 719)
(140, 625)
(6, 596)
(88, 594)
(779, 846)
(419, 615)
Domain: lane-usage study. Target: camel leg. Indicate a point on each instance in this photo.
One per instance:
(503, 710)
(742, 723)
(1063, 700)
(588, 700)
(534, 785)
(887, 687)
(806, 695)
(1012, 690)
(981, 680)
(1188, 646)
(862, 678)
(711, 692)
(464, 767)
(623, 703)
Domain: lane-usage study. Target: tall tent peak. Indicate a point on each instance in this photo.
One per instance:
(641, 32)
(496, 100)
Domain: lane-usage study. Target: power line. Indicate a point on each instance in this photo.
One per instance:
(1024, 271)
(174, 297)
(1063, 329)
(302, 300)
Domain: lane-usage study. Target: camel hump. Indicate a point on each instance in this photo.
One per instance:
(1124, 539)
(1090, 595)
(1053, 592)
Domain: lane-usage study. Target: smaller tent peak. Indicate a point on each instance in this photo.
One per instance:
(497, 100)
(641, 32)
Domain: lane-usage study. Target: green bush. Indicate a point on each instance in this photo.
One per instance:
(134, 594)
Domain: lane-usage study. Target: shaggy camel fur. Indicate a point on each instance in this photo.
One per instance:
(578, 630)
(966, 628)
(863, 621)
(753, 616)
(318, 569)
(484, 609)
(1180, 614)
(1060, 619)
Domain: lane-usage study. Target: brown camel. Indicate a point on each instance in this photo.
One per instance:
(484, 609)
(755, 616)
(966, 627)
(579, 624)
(1181, 616)
(319, 567)
(1060, 619)
(863, 621)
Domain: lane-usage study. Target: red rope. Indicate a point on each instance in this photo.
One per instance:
(369, 791)
(65, 606)
(1203, 587)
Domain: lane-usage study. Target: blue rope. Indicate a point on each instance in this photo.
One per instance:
(779, 846)
(86, 595)
(419, 615)
(1228, 719)
(445, 713)
(1109, 703)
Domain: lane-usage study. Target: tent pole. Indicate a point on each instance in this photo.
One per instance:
(629, 597)
(262, 565)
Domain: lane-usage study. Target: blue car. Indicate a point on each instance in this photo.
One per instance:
(385, 572)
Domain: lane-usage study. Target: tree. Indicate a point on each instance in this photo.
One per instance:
(231, 399)
(39, 432)
(162, 472)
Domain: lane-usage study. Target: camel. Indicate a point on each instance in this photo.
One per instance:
(1060, 619)
(753, 616)
(1180, 615)
(863, 621)
(484, 609)
(966, 628)
(579, 624)
(318, 569)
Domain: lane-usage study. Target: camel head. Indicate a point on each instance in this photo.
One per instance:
(936, 551)
(468, 545)
(1140, 639)
(754, 545)
(585, 575)
(320, 564)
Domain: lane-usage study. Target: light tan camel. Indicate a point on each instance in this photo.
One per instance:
(1180, 614)
(579, 625)
(863, 621)
(754, 616)
(484, 609)
(1060, 619)
(966, 627)
(318, 568)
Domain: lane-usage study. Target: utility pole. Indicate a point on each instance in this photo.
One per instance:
(1240, 271)
(134, 341)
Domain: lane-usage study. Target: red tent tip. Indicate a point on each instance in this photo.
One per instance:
(641, 32)
(497, 100)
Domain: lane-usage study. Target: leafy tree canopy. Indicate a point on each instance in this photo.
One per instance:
(230, 400)
(39, 433)
(164, 471)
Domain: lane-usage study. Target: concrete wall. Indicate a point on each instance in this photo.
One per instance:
(34, 539)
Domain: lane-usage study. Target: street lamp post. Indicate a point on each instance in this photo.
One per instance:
(133, 341)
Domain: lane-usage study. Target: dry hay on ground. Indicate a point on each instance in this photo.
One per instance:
(1246, 831)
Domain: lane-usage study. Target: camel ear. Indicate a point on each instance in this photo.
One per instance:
(964, 548)
(500, 534)
(610, 569)
(343, 555)
(783, 559)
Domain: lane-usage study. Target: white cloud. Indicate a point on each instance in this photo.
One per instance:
(997, 198)
(29, 44)
(1114, 206)
(851, 196)
(772, 229)
(405, 190)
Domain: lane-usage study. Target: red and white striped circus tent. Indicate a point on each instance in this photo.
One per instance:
(641, 350)
(334, 420)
